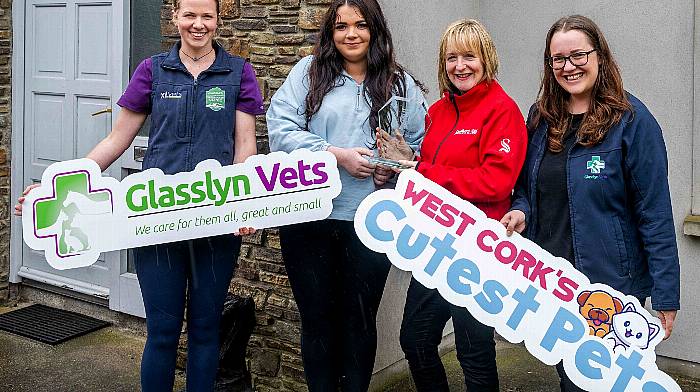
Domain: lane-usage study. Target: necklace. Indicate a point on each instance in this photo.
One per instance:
(197, 58)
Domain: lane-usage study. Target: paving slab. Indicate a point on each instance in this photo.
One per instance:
(109, 359)
(105, 360)
(518, 372)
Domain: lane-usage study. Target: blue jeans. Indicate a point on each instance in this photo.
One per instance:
(424, 319)
(337, 284)
(195, 273)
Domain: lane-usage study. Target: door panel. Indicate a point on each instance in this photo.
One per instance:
(68, 76)
(49, 147)
(48, 32)
(94, 32)
(92, 129)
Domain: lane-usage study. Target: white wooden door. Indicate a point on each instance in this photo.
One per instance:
(74, 67)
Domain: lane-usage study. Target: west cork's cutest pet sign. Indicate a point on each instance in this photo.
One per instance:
(605, 339)
(77, 213)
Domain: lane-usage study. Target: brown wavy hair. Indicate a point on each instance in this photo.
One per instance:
(608, 98)
(384, 78)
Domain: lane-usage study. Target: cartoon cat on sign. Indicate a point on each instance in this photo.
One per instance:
(630, 328)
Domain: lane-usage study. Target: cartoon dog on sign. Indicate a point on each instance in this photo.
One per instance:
(598, 308)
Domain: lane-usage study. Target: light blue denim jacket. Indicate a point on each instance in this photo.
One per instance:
(342, 121)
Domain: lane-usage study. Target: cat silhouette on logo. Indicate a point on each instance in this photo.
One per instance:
(630, 328)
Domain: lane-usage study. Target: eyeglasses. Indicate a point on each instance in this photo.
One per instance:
(577, 59)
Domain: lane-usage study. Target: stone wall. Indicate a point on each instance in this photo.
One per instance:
(5, 141)
(273, 35)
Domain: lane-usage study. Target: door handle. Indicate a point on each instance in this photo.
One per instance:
(103, 111)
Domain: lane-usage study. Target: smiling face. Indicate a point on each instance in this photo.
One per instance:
(467, 56)
(464, 69)
(351, 34)
(196, 21)
(632, 329)
(578, 81)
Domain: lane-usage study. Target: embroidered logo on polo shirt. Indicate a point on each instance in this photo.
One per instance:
(466, 132)
(216, 99)
(169, 95)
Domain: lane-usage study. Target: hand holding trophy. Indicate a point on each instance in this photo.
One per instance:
(391, 144)
(394, 153)
(393, 147)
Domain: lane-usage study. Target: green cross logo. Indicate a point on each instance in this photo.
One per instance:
(216, 99)
(595, 165)
(57, 216)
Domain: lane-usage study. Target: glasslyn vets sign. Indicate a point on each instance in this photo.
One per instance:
(606, 339)
(76, 213)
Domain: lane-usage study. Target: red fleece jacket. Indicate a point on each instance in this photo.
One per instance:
(477, 153)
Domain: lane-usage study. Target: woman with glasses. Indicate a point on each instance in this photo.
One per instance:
(594, 188)
(475, 145)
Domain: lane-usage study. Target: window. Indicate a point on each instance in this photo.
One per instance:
(145, 39)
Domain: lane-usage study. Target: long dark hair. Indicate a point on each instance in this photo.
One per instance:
(384, 75)
(608, 100)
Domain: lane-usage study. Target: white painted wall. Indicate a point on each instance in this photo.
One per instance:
(654, 46)
(416, 28)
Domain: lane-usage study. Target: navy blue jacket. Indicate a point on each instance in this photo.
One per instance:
(192, 119)
(620, 207)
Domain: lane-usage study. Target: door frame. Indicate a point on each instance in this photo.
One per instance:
(120, 298)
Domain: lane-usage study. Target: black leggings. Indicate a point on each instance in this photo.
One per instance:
(337, 284)
(424, 319)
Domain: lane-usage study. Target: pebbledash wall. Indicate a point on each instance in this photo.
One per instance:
(5, 141)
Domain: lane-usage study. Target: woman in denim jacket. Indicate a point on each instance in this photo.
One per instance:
(594, 188)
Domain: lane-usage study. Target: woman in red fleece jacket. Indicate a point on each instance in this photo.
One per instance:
(474, 146)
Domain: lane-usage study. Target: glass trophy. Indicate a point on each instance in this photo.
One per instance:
(392, 119)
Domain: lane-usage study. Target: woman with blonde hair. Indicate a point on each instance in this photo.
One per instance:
(474, 146)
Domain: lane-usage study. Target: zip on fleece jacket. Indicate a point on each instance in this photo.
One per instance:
(454, 127)
(475, 146)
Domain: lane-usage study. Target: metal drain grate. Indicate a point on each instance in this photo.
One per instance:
(47, 324)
